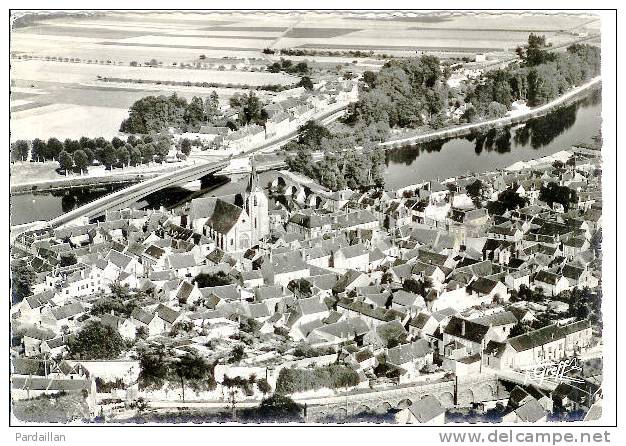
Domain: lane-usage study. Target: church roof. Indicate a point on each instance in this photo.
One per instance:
(224, 217)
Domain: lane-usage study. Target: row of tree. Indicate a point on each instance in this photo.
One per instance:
(542, 76)
(287, 66)
(131, 153)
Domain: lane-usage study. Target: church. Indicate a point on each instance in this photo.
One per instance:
(233, 223)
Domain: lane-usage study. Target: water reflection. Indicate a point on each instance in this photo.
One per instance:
(535, 133)
(75, 197)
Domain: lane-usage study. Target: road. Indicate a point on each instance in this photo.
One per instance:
(131, 194)
(463, 129)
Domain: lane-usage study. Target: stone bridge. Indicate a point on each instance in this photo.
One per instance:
(451, 393)
(302, 189)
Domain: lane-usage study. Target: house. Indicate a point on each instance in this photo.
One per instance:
(488, 290)
(552, 284)
(355, 257)
(283, 268)
(123, 326)
(56, 318)
(167, 316)
(464, 337)
(351, 280)
(550, 343)
(147, 321)
(529, 412)
(33, 338)
(501, 322)
(428, 410)
(123, 262)
(184, 264)
(187, 293)
(424, 325)
(411, 357)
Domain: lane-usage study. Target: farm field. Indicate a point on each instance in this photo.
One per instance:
(37, 70)
(66, 121)
(182, 37)
(67, 100)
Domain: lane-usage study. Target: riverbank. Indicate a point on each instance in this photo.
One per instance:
(456, 131)
(42, 177)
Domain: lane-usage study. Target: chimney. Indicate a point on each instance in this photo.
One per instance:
(463, 327)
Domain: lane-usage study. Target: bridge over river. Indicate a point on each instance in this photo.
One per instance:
(127, 196)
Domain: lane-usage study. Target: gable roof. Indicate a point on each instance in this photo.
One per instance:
(545, 335)
(466, 329)
(426, 409)
(224, 217)
(167, 314)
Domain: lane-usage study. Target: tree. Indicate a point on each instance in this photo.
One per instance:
(147, 152)
(306, 82)
(553, 193)
(117, 142)
(475, 190)
(191, 367)
(154, 368)
(279, 408)
(507, 200)
(236, 354)
(369, 77)
(19, 150)
(96, 341)
(68, 259)
(91, 156)
(518, 329)
(39, 150)
(66, 162)
(54, 147)
(212, 107)
(249, 107)
(87, 143)
(81, 160)
(264, 386)
(301, 287)
(311, 134)
(162, 145)
(22, 277)
(71, 145)
(109, 157)
(185, 146)
(123, 156)
(135, 156)
(392, 334)
(204, 280)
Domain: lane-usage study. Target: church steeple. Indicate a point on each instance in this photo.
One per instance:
(257, 206)
(253, 182)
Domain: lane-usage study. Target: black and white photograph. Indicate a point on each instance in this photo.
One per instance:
(311, 217)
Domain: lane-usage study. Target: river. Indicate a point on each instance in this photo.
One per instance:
(441, 159)
(537, 137)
